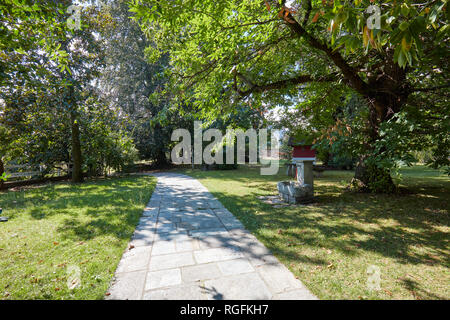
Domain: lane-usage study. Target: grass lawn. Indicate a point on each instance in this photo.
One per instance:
(57, 228)
(330, 244)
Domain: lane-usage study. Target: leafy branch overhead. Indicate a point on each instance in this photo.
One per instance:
(392, 54)
(270, 40)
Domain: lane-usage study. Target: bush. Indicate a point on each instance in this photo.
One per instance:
(341, 162)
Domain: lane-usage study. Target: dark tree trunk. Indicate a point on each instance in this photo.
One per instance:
(2, 170)
(370, 178)
(386, 95)
(326, 158)
(161, 159)
(77, 174)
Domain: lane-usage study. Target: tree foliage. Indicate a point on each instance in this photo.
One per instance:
(51, 111)
(316, 52)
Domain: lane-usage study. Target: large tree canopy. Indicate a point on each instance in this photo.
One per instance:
(51, 112)
(271, 51)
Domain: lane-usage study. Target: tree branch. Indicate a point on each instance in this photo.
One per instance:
(249, 24)
(281, 84)
(308, 12)
(349, 73)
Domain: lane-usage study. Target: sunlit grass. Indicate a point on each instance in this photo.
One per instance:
(330, 244)
(60, 227)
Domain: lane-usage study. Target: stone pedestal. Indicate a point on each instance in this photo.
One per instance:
(290, 170)
(301, 191)
(305, 175)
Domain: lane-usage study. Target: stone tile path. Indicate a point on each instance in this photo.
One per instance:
(189, 246)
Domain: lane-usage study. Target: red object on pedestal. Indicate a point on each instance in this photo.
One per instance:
(304, 152)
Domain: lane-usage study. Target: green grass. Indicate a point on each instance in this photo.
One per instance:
(55, 228)
(330, 244)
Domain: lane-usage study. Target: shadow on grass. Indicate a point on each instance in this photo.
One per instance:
(417, 291)
(408, 228)
(84, 211)
(413, 228)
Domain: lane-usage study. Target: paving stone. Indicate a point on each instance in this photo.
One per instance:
(200, 272)
(127, 286)
(174, 235)
(200, 224)
(165, 227)
(187, 208)
(217, 241)
(236, 266)
(215, 204)
(164, 219)
(210, 232)
(299, 294)
(142, 237)
(166, 209)
(165, 215)
(163, 247)
(252, 249)
(247, 286)
(170, 261)
(146, 227)
(223, 213)
(217, 254)
(164, 278)
(134, 259)
(203, 213)
(151, 212)
(154, 203)
(146, 223)
(182, 292)
(188, 246)
(184, 226)
(278, 278)
(232, 223)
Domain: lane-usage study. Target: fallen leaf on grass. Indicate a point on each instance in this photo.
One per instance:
(34, 280)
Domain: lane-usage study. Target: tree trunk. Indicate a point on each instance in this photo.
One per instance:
(386, 96)
(77, 174)
(2, 170)
(370, 178)
(161, 159)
